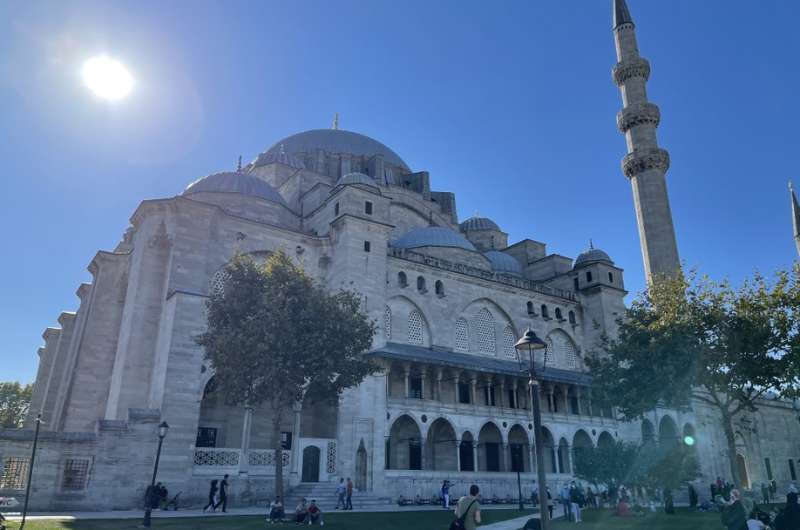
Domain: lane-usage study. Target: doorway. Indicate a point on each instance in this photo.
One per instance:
(361, 468)
(311, 464)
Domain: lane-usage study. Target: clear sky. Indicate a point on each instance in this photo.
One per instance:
(509, 104)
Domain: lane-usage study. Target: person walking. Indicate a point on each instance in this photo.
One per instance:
(468, 509)
(445, 494)
(340, 492)
(575, 501)
(535, 494)
(223, 495)
(349, 494)
(550, 503)
(563, 497)
(736, 512)
(212, 493)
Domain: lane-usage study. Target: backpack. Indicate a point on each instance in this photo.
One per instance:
(458, 522)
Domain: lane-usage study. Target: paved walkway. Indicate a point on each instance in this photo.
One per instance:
(511, 524)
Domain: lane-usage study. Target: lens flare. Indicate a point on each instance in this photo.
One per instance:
(688, 440)
(107, 78)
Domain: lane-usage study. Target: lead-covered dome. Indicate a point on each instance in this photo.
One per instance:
(478, 223)
(357, 178)
(235, 182)
(432, 236)
(592, 255)
(502, 262)
(330, 141)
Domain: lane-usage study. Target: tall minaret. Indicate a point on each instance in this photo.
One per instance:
(795, 217)
(645, 164)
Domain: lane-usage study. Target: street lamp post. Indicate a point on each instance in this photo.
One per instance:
(30, 471)
(162, 433)
(536, 349)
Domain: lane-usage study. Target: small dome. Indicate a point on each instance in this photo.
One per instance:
(432, 236)
(478, 223)
(235, 182)
(356, 178)
(502, 262)
(592, 255)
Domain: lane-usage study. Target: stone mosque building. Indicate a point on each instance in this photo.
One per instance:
(450, 296)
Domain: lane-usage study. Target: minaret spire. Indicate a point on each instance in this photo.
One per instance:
(646, 164)
(795, 217)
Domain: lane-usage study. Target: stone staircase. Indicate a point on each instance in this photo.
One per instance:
(325, 495)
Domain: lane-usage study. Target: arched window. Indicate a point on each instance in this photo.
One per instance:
(387, 323)
(421, 284)
(416, 328)
(562, 350)
(559, 316)
(402, 279)
(610, 277)
(462, 336)
(508, 343)
(571, 317)
(217, 284)
(545, 312)
(588, 276)
(530, 308)
(485, 331)
(439, 288)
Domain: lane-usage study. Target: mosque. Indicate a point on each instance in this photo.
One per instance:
(450, 297)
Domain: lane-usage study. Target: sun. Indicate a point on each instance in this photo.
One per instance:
(107, 78)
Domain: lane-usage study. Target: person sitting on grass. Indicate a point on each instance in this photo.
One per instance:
(301, 512)
(315, 514)
(276, 511)
(622, 509)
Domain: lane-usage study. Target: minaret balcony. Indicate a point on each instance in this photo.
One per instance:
(638, 114)
(625, 70)
(642, 160)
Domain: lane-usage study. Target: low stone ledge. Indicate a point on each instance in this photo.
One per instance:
(144, 415)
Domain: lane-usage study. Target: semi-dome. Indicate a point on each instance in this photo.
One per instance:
(356, 178)
(331, 141)
(478, 223)
(502, 262)
(432, 236)
(592, 255)
(235, 182)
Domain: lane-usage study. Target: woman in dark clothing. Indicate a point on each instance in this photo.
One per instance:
(211, 494)
(789, 518)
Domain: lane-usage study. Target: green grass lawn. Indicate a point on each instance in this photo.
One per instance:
(683, 519)
(429, 520)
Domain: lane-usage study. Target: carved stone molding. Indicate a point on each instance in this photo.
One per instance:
(644, 159)
(638, 114)
(623, 71)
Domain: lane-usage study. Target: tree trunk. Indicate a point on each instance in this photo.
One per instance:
(276, 427)
(730, 438)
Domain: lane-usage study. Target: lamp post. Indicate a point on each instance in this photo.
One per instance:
(30, 471)
(536, 350)
(163, 428)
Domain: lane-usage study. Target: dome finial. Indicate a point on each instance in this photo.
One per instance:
(239, 164)
(335, 125)
(591, 244)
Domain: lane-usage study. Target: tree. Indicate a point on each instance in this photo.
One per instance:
(275, 336)
(664, 466)
(689, 339)
(15, 400)
(606, 463)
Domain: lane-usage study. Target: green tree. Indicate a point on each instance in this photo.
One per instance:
(689, 339)
(667, 465)
(15, 400)
(275, 336)
(606, 463)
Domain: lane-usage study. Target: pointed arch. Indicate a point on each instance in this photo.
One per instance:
(562, 349)
(404, 447)
(442, 445)
(667, 431)
(408, 322)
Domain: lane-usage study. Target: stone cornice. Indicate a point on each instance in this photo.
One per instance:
(625, 70)
(638, 114)
(643, 160)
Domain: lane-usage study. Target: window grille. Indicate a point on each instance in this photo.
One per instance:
(508, 343)
(562, 350)
(416, 333)
(76, 474)
(462, 335)
(485, 329)
(387, 323)
(15, 472)
(218, 282)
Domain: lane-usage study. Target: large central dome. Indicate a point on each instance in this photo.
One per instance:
(330, 141)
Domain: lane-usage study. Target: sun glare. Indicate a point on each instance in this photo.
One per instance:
(107, 78)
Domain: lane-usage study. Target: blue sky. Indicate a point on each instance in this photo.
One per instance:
(509, 104)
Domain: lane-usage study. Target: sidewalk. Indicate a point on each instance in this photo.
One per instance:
(196, 512)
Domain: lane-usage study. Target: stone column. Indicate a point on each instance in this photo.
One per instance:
(551, 403)
(294, 460)
(247, 423)
(475, 454)
(458, 454)
(456, 381)
(474, 389)
(565, 391)
(506, 457)
(388, 382)
(423, 447)
(515, 393)
(502, 396)
(407, 374)
(423, 375)
(439, 377)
